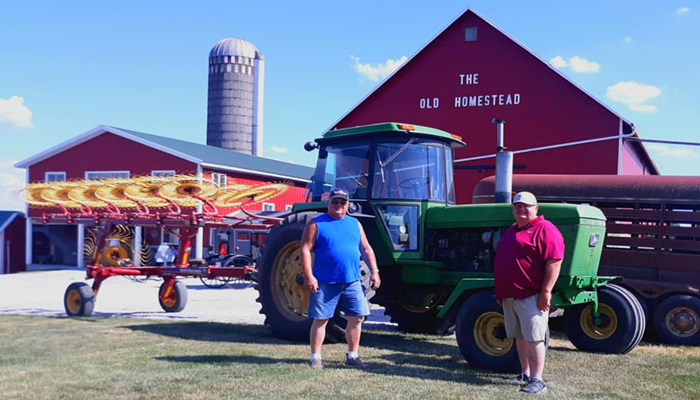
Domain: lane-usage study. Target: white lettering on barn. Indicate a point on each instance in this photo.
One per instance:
(429, 103)
(487, 100)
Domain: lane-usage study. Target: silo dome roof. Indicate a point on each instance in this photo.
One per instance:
(234, 47)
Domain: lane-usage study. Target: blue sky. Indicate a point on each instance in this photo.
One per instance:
(66, 67)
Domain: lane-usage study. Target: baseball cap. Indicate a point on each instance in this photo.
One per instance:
(339, 194)
(526, 198)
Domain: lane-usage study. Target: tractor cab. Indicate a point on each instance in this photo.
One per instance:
(388, 161)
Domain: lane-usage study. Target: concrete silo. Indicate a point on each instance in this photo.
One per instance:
(236, 88)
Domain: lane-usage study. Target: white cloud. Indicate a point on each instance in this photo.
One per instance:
(583, 66)
(683, 10)
(376, 72)
(279, 150)
(558, 62)
(576, 63)
(633, 94)
(668, 151)
(13, 112)
(11, 181)
(627, 39)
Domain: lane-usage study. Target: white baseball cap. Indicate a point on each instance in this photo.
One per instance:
(525, 198)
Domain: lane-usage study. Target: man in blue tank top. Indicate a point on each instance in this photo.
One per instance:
(337, 241)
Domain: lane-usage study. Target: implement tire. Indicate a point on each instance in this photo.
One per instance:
(618, 329)
(481, 334)
(177, 300)
(677, 320)
(79, 300)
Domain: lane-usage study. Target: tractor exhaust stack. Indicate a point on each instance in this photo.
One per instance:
(504, 167)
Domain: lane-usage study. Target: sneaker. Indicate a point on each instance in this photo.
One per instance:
(521, 379)
(355, 363)
(535, 386)
(316, 363)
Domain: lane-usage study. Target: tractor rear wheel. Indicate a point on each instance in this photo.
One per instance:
(618, 328)
(79, 300)
(677, 320)
(481, 334)
(176, 301)
(282, 293)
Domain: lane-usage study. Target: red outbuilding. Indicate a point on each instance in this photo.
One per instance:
(12, 237)
(109, 152)
(471, 73)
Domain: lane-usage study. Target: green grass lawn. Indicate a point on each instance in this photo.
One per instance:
(105, 359)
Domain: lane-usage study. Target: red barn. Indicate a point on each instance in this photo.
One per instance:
(110, 152)
(12, 237)
(472, 72)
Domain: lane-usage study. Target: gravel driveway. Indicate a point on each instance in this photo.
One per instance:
(41, 293)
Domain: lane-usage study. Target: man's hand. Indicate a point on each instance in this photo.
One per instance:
(544, 300)
(311, 283)
(375, 280)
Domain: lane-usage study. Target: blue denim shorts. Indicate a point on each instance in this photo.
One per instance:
(351, 296)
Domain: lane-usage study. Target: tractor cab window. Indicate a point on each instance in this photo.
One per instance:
(413, 169)
(401, 222)
(342, 166)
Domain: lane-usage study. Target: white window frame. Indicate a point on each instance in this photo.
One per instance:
(163, 173)
(173, 238)
(47, 173)
(87, 174)
(272, 205)
(288, 207)
(217, 178)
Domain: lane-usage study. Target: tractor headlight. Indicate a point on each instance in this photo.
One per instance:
(593, 240)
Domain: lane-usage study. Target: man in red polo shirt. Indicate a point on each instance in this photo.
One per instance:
(528, 260)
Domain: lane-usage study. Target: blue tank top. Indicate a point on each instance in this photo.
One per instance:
(337, 250)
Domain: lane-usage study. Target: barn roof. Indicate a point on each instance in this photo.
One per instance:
(206, 156)
(6, 218)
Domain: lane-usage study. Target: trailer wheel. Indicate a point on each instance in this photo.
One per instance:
(481, 334)
(677, 320)
(214, 283)
(618, 328)
(79, 300)
(176, 300)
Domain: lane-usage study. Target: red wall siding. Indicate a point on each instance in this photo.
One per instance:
(15, 235)
(107, 152)
(551, 109)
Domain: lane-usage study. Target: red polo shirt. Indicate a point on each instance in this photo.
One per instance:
(521, 257)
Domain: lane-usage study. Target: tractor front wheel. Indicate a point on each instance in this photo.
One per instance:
(618, 327)
(481, 334)
(79, 300)
(176, 300)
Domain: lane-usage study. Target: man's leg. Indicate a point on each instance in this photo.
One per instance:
(536, 356)
(523, 355)
(353, 332)
(318, 335)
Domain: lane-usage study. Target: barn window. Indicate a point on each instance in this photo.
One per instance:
(160, 173)
(470, 34)
(268, 207)
(99, 175)
(55, 176)
(219, 180)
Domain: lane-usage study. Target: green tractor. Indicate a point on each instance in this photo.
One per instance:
(436, 258)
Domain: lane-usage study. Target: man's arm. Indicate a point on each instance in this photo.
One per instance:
(551, 273)
(308, 239)
(370, 259)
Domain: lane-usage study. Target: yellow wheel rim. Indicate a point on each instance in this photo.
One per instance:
(112, 255)
(171, 299)
(485, 329)
(682, 321)
(74, 301)
(288, 281)
(606, 315)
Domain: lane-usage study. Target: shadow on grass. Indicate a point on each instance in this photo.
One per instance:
(410, 355)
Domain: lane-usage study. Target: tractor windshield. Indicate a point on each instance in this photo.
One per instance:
(342, 166)
(414, 169)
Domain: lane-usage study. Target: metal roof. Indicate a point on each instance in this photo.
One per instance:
(6, 218)
(234, 47)
(215, 157)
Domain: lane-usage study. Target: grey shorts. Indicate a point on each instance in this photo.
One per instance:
(524, 319)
